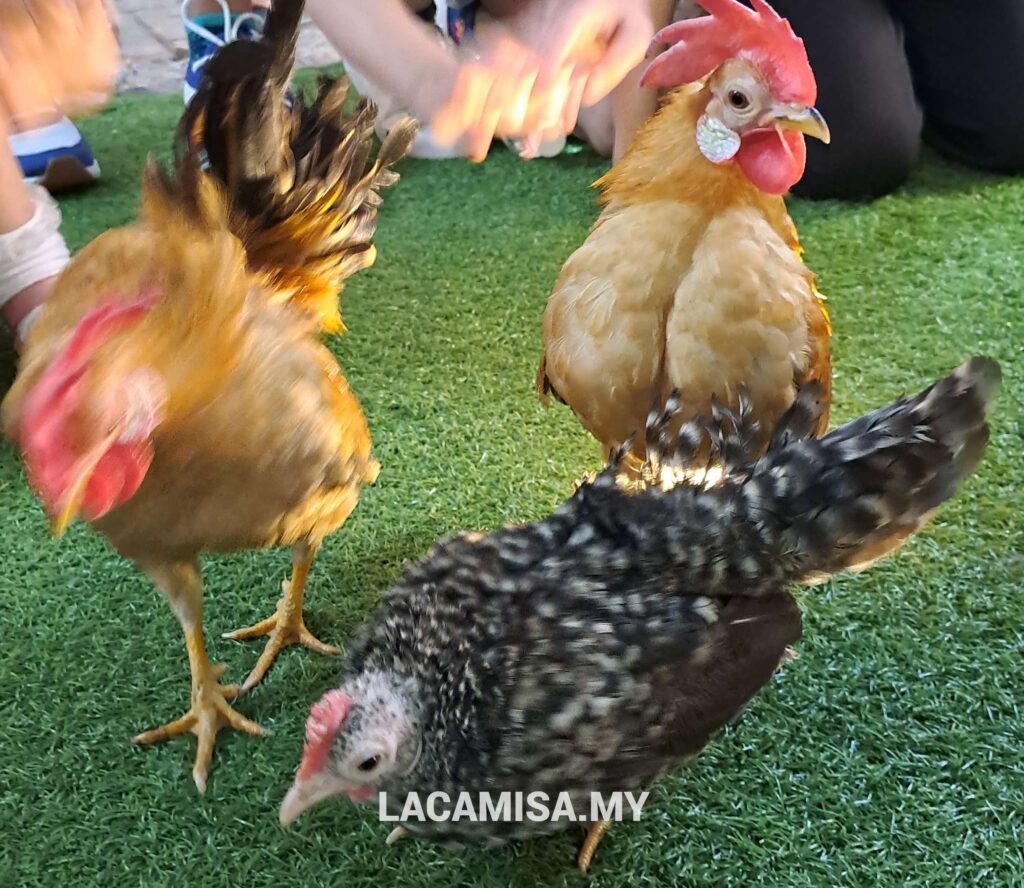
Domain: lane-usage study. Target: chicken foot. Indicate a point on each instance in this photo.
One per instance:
(287, 625)
(210, 711)
(594, 835)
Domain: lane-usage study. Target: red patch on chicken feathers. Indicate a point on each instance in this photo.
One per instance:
(52, 461)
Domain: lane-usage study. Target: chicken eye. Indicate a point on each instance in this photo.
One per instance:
(738, 100)
(369, 764)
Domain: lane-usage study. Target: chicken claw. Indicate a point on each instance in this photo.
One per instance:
(287, 625)
(209, 713)
(399, 832)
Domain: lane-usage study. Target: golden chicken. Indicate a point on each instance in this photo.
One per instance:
(174, 391)
(692, 277)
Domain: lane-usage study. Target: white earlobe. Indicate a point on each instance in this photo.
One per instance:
(716, 141)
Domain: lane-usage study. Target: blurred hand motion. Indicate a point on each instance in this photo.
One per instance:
(587, 47)
(692, 277)
(530, 77)
(598, 648)
(55, 54)
(175, 392)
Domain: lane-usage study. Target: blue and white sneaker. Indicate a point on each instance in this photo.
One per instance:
(55, 156)
(207, 33)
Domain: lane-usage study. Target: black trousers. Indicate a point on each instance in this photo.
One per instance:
(892, 71)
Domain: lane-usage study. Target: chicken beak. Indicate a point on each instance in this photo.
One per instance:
(306, 792)
(803, 120)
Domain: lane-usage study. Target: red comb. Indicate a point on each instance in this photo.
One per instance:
(733, 30)
(107, 318)
(326, 717)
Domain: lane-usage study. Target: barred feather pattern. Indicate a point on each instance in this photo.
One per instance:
(602, 646)
(301, 175)
(814, 507)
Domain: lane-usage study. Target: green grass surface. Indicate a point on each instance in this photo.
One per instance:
(891, 752)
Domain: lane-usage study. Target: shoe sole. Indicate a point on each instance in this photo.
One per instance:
(66, 174)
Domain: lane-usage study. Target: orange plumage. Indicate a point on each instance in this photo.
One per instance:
(692, 277)
(175, 389)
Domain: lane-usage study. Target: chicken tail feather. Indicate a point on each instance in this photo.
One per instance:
(809, 507)
(843, 502)
(300, 174)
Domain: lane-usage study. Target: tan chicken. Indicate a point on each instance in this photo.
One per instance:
(175, 391)
(692, 277)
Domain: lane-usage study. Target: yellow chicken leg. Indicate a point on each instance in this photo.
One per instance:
(210, 710)
(286, 626)
(590, 843)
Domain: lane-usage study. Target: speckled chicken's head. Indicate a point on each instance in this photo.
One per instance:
(359, 736)
(761, 90)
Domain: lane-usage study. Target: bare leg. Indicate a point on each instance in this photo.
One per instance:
(590, 843)
(16, 210)
(286, 626)
(631, 107)
(210, 712)
(596, 126)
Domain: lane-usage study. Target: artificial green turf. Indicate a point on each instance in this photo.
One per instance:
(889, 753)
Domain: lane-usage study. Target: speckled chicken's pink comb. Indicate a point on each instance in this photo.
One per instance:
(733, 30)
(326, 717)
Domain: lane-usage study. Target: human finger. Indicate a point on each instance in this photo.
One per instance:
(625, 48)
(463, 107)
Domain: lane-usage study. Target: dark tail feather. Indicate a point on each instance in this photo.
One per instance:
(803, 418)
(281, 34)
(696, 453)
(852, 497)
(301, 178)
(238, 124)
(808, 508)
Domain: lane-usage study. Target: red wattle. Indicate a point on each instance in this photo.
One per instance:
(117, 476)
(766, 162)
(361, 793)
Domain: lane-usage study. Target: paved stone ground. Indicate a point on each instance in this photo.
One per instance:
(153, 46)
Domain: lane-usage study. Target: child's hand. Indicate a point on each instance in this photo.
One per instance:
(529, 75)
(601, 40)
(55, 53)
(534, 72)
(586, 48)
(491, 94)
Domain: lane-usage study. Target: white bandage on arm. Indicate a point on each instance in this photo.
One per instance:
(32, 253)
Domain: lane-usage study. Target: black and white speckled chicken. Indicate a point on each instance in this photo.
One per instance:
(594, 650)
